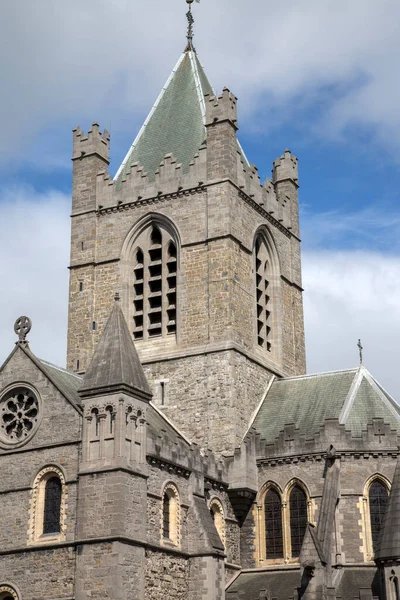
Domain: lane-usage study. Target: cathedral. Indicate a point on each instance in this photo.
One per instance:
(184, 453)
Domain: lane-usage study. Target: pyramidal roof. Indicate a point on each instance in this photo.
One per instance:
(353, 397)
(115, 365)
(176, 123)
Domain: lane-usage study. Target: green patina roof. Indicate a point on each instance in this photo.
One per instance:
(353, 397)
(176, 124)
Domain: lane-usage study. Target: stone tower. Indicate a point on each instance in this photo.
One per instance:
(205, 256)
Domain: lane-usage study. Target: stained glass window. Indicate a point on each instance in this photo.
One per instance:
(52, 506)
(166, 517)
(273, 525)
(298, 519)
(378, 499)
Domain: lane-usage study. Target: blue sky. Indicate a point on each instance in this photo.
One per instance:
(318, 77)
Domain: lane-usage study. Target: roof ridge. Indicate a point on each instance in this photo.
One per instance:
(310, 375)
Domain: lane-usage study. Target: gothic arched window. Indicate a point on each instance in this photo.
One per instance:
(52, 506)
(273, 525)
(298, 519)
(378, 499)
(217, 515)
(48, 507)
(154, 284)
(170, 517)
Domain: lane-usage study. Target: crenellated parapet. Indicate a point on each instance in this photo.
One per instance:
(285, 167)
(94, 142)
(221, 108)
(291, 444)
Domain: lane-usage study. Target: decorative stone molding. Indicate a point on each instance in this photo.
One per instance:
(149, 201)
(259, 519)
(20, 415)
(36, 513)
(172, 492)
(170, 467)
(7, 591)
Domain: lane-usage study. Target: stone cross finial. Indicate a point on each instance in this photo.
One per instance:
(22, 327)
(360, 348)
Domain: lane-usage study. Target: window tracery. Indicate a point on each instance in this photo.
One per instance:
(263, 294)
(281, 519)
(154, 284)
(48, 506)
(19, 415)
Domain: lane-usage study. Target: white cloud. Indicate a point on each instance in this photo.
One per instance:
(352, 295)
(349, 295)
(34, 246)
(74, 61)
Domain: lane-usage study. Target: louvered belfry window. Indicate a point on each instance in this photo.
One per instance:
(154, 285)
(378, 499)
(263, 294)
(52, 506)
(298, 519)
(273, 525)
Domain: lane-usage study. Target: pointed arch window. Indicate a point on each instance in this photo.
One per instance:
(155, 284)
(217, 515)
(378, 500)
(170, 515)
(273, 525)
(48, 507)
(298, 519)
(52, 506)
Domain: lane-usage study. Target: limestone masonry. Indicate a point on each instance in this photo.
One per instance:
(184, 454)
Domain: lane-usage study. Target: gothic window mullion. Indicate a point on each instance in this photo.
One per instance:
(145, 295)
(155, 284)
(138, 301)
(171, 287)
(164, 284)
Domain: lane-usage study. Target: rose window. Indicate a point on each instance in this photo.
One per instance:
(18, 415)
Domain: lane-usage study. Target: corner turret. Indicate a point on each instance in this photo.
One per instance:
(222, 145)
(285, 178)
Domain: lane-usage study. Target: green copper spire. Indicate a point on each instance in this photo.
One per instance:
(176, 123)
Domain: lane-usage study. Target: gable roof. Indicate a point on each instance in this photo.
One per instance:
(115, 365)
(352, 396)
(176, 123)
(65, 382)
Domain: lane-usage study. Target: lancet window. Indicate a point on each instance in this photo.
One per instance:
(217, 515)
(48, 507)
(155, 284)
(273, 525)
(170, 515)
(281, 517)
(378, 499)
(298, 519)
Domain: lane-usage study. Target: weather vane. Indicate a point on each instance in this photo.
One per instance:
(190, 19)
(360, 348)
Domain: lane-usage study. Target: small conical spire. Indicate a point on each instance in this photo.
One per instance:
(190, 18)
(115, 366)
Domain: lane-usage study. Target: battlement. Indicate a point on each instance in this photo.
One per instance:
(94, 142)
(221, 108)
(285, 167)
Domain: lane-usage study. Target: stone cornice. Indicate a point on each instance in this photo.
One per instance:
(165, 465)
(159, 198)
(277, 461)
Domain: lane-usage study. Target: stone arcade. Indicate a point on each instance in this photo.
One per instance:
(185, 454)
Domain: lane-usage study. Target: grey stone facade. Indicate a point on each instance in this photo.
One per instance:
(145, 438)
